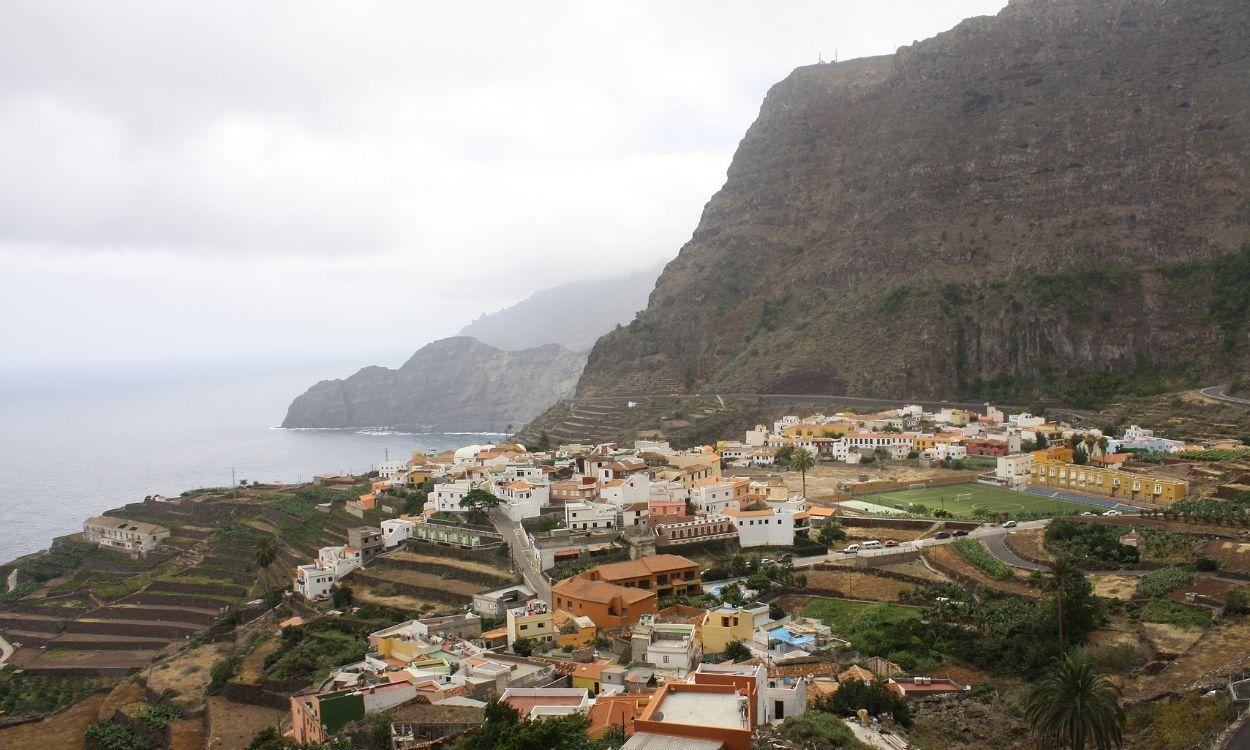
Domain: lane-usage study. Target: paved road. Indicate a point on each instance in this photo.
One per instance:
(1220, 393)
(997, 545)
(511, 532)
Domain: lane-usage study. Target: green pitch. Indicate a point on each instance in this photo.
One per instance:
(955, 498)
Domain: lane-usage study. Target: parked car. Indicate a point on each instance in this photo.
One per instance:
(1086, 513)
(851, 549)
(871, 544)
(960, 532)
(890, 543)
(942, 535)
(1009, 524)
(1113, 512)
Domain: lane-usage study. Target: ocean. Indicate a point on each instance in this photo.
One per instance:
(73, 444)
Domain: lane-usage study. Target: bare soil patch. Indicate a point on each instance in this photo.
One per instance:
(1218, 653)
(425, 580)
(232, 725)
(63, 731)
(1027, 543)
(945, 556)
(857, 533)
(187, 674)
(448, 561)
(857, 585)
(1233, 556)
(914, 568)
(1115, 587)
(399, 601)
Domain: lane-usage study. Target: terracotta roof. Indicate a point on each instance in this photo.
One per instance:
(856, 672)
(599, 591)
(592, 671)
(643, 566)
(821, 512)
(616, 710)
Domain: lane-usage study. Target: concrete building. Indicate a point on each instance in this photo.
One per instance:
(448, 495)
(496, 603)
(339, 561)
(539, 703)
(532, 620)
(1014, 471)
(672, 648)
(693, 529)
(523, 499)
(700, 714)
(135, 538)
(769, 527)
(395, 531)
(312, 581)
(726, 624)
(1109, 483)
(317, 716)
(607, 605)
(583, 516)
(366, 539)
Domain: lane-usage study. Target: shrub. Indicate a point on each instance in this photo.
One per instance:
(972, 551)
(1169, 612)
(1206, 564)
(874, 697)
(222, 671)
(1237, 602)
(1163, 581)
(818, 729)
(1089, 544)
(111, 735)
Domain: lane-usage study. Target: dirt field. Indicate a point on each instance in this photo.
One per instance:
(946, 556)
(188, 734)
(425, 580)
(1027, 543)
(1114, 587)
(1232, 556)
(1208, 587)
(188, 674)
(823, 481)
(232, 725)
(856, 533)
(857, 585)
(1220, 652)
(915, 568)
(362, 593)
(253, 666)
(449, 561)
(60, 732)
(1169, 639)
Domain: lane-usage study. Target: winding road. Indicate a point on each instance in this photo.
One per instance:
(1220, 393)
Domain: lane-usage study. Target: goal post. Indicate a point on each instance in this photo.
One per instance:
(919, 486)
(963, 496)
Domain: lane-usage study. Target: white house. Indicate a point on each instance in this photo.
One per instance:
(523, 499)
(339, 561)
(713, 496)
(447, 496)
(313, 581)
(393, 472)
(757, 437)
(768, 527)
(781, 424)
(635, 488)
(1013, 471)
(785, 697)
(134, 537)
(898, 445)
(583, 516)
(652, 446)
(523, 471)
(671, 647)
(634, 514)
(396, 530)
(1025, 420)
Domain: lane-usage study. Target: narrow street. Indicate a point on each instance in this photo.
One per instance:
(511, 532)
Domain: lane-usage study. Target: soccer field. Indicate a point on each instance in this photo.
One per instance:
(960, 499)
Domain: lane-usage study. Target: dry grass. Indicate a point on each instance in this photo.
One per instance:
(187, 674)
(856, 584)
(1232, 556)
(1218, 653)
(946, 557)
(447, 561)
(1169, 639)
(425, 580)
(232, 725)
(64, 731)
(858, 533)
(1115, 587)
(365, 594)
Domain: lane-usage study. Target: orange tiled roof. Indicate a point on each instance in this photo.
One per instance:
(644, 566)
(599, 591)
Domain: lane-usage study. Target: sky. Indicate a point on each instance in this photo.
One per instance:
(186, 181)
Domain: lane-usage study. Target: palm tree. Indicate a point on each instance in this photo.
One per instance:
(1072, 706)
(802, 461)
(266, 555)
(1090, 442)
(1060, 571)
(1102, 442)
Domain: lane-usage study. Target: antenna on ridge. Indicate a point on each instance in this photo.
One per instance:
(820, 58)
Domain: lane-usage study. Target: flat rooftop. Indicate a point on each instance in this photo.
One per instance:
(702, 709)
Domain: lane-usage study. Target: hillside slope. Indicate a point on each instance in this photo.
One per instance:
(572, 315)
(1055, 198)
(450, 385)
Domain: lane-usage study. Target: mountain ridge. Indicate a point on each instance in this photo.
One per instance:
(1045, 196)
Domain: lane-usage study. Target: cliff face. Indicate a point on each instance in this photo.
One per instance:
(1021, 201)
(572, 315)
(451, 385)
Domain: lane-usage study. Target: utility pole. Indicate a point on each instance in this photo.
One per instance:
(234, 485)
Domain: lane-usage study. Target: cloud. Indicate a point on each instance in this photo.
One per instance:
(470, 152)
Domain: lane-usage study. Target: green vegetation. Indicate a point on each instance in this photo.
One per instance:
(1091, 545)
(311, 650)
(817, 729)
(541, 524)
(1190, 721)
(895, 298)
(985, 501)
(1164, 581)
(159, 716)
(1234, 512)
(113, 735)
(875, 696)
(22, 694)
(1075, 707)
(736, 651)
(503, 730)
(222, 671)
(843, 615)
(1226, 454)
(1169, 612)
(976, 554)
(1167, 546)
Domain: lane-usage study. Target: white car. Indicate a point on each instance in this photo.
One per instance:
(1086, 513)
(851, 549)
(1009, 524)
(1113, 513)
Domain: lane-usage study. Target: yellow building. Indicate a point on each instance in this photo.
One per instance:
(1111, 483)
(578, 632)
(830, 430)
(533, 621)
(726, 624)
(690, 469)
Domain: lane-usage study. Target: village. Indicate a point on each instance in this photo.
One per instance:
(713, 595)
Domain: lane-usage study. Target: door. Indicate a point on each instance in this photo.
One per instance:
(779, 710)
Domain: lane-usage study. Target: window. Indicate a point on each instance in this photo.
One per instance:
(666, 658)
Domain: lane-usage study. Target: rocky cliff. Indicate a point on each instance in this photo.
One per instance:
(573, 315)
(1056, 197)
(455, 384)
